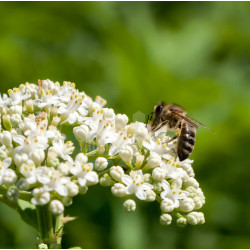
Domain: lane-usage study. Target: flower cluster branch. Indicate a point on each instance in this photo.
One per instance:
(38, 163)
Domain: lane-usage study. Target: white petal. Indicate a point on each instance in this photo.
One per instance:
(62, 190)
(140, 194)
(82, 181)
(126, 179)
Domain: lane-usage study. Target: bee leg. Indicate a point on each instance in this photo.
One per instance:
(176, 134)
(172, 139)
(161, 125)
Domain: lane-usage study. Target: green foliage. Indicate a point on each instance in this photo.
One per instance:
(135, 54)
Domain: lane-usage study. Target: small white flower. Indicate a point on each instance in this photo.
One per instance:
(120, 140)
(101, 163)
(167, 205)
(195, 218)
(139, 160)
(187, 205)
(64, 149)
(56, 207)
(165, 219)
(84, 173)
(129, 205)
(150, 195)
(136, 185)
(116, 173)
(173, 192)
(126, 154)
(173, 171)
(52, 179)
(158, 174)
(120, 121)
(118, 190)
(40, 196)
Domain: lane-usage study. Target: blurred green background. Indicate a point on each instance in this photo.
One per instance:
(135, 54)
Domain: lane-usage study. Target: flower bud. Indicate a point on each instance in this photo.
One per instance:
(195, 218)
(181, 222)
(29, 106)
(81, 132)
(141, 133)
(13, 194)
(15, 119)
(150, 195)
(83, 189)
(19, 159)
(56, 207)
(3, 155)
(93, 180)
(42, 246)
(126, 154)
(81, 158)
(167, 205)
(186, 205)
(62, 167)
(37, 155)
(72, 188)
(67, 201)
(139, 160)
(101, 163)
(120, 121)
(165, 219)
(118, 190)
(129, 205)
(6, 121)
(116, 173)
(154, 160)
(22, 184)
(9, 177)
(158, 174)
(15, 110)
(198, 201)
(108, 113)
(6, 138)
(106, 180)
(148, 178)
(191, 181)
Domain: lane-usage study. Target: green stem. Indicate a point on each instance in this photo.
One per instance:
(59, 228)
(91, 153)
(45, 225)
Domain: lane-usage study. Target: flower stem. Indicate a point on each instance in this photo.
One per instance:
(45, 225)
(59, 228)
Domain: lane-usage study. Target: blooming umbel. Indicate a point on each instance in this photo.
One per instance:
(37, 158)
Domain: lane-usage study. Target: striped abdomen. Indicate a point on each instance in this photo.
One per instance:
(186, 141)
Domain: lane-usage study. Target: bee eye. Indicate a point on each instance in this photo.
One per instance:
(159, 109)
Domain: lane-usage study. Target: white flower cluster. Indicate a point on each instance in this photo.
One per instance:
(36, 157)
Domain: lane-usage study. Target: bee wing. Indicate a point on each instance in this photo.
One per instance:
(199, 123)
(186, 119)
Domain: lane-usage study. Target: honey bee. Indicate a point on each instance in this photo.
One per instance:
(176, 119)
